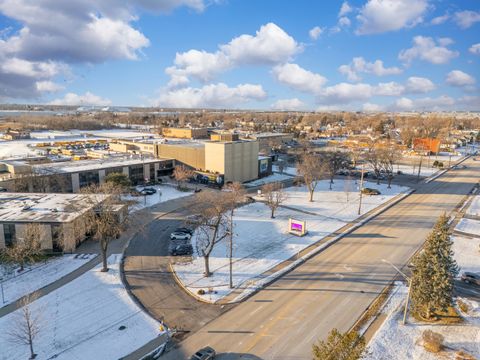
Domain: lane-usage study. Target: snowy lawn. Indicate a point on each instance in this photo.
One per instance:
(396, 341)
(260, 243)
(81, 320)
(474, 208)
(286, 170)
(268, 179)
(36, 276)
(164, 193)
(468, 226)
(468, 250)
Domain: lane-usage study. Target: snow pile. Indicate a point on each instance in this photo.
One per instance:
(82, 320)
(261, 243)
(474, 208)
(164, 193)
(34, 277)
(268, 179)
(468, 226)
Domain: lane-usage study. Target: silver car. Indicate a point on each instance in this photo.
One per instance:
(206, 353)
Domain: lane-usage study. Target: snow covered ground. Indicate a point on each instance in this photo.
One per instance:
(469, 226)
(468, 250)
(34, 277)
(260, 242)
(82, 320)
(164, 193)
(474, 208)
(286, 170)
(395, 341)
(268, 179)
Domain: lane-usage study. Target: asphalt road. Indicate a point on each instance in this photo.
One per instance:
(332, 289)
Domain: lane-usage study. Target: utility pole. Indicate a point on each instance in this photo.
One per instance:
(361, 188)
(419, 167)
(409, 280)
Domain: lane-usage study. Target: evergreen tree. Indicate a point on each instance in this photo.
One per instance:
(338, 346)
(434, 271)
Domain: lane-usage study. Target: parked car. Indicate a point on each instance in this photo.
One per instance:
(182, 249)
(206, 353)
(2, 189)
(471, 278)
(177, 235)
(148, 191)
(184, 230)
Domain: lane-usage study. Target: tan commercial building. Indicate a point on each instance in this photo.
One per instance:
(185, 133)
(234, 160)
(269, 140)
(60, 217)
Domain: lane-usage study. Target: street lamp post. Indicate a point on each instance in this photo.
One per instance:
(409, 280)
(361, 193)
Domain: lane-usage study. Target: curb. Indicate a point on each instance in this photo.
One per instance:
(192, 294)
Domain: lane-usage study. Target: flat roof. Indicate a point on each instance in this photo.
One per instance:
(43, 207)
(95, 164)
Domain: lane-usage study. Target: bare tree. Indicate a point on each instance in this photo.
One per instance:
(373, 157)
(182, 174)
(107, 218)
(348, 187)
(311, 169)
(25, 248)
(212, 223)
(389, 156)
(274, 196)
(334, 161)
(235, 196)
(26, 325)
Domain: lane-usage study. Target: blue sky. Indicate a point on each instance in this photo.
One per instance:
(369, 55)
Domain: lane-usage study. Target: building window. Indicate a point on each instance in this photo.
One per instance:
(9, 234)
(56, 237)
(136, 174)
(88, 178)
(152, 172)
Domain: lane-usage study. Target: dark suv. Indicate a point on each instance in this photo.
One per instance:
(181, 250)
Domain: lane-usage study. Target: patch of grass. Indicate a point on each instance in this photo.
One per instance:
(462, 306)
(432, 341)
(451, 316)
(462, 355)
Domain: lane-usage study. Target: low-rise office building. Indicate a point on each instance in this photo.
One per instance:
(60, 218)
(185, 133)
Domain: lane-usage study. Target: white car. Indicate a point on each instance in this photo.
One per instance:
(180, 236)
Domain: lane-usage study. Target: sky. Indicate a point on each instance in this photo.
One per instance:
(362, 55)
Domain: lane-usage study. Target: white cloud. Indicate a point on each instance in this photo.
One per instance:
(288, 104)
(211, 96)
(344, 93)
(426, 49)
(315, 32)
(359, 65)
(369, 107)
(70, 32)
(344, 21)
(445, 41)
(466, 18)
(86, 99)
(442, 102)
(439, 19)
(418, 85)
(475, 49)
(389, 89)
(459, 78)
(378, 16)
(271, 45)
(345, 9)
(298, 78)
(48, 86)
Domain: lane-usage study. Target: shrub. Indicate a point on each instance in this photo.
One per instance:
(201, 292)
(462, 306)
(432, 341)
(370, 191)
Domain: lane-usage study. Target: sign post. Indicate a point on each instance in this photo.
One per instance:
(297, 227)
